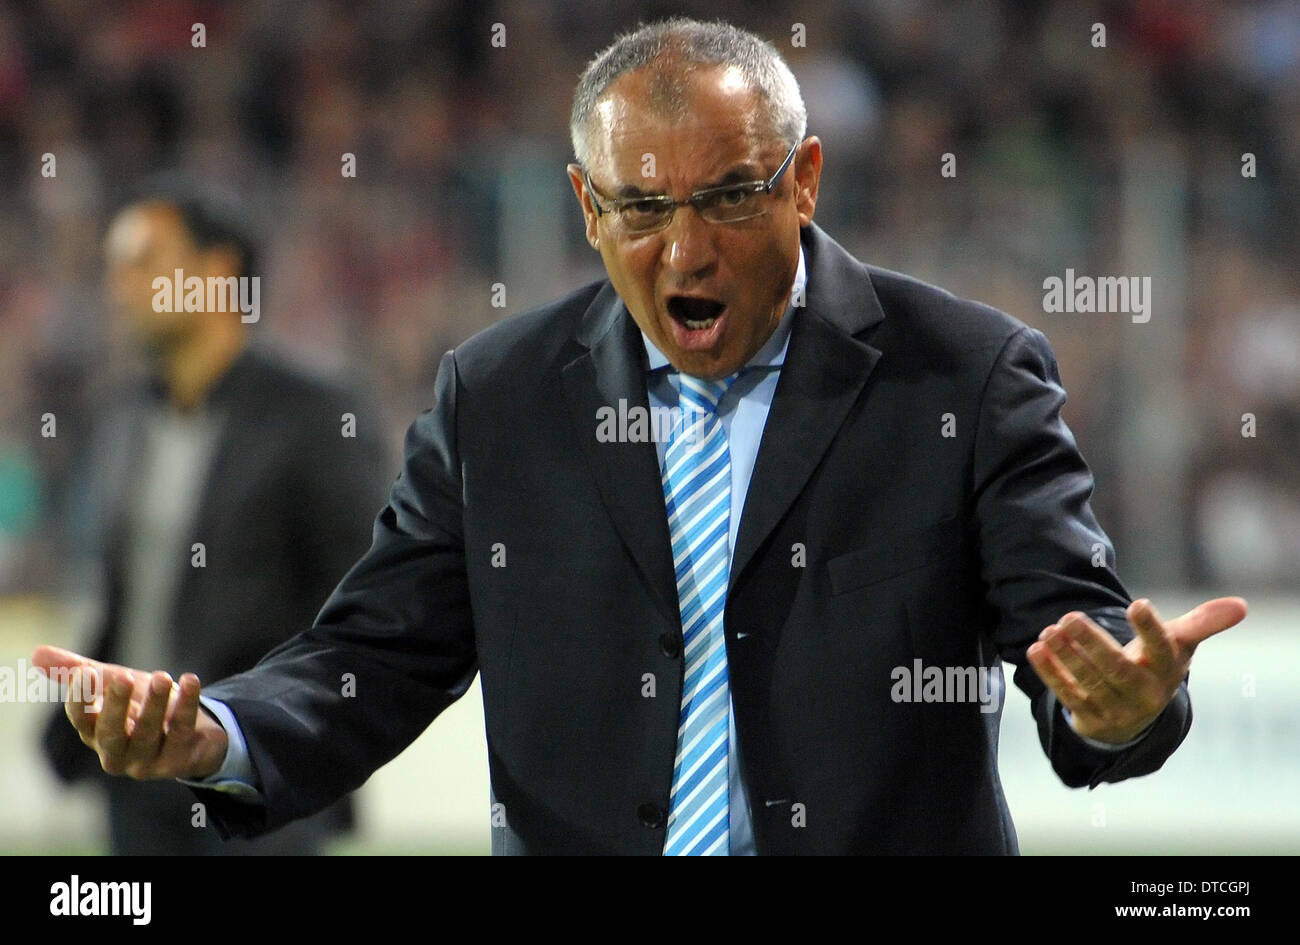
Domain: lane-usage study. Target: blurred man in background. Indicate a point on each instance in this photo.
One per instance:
(231, 493)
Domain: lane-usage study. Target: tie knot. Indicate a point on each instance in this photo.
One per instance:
(701, 396)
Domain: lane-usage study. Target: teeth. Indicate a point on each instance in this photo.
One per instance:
(695, 325)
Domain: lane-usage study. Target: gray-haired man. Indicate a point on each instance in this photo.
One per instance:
(691, 644)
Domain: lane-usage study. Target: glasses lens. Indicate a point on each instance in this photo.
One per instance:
(641, 215)
(731, 204)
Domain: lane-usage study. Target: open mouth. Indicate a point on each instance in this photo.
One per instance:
(696, 314)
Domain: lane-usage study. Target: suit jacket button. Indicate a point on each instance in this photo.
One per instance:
(670, 645)
(651, 815)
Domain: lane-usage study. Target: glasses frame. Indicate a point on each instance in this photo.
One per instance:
(666, 203)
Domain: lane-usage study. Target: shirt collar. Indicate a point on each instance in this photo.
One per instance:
(772, 354)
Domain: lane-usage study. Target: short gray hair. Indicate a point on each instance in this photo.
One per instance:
(691, 42)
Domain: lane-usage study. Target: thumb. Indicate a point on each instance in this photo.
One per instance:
(1205, 620)
(48, 659)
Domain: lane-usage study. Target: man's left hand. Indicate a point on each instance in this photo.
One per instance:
(1114, 692)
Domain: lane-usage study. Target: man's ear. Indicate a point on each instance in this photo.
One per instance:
(584, 201)
(807, 175)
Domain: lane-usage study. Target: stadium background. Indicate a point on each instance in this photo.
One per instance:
(1121, 160)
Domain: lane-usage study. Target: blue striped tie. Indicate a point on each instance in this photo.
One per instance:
(697, 494)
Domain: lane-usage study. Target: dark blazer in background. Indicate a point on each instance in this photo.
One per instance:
(284, 512)
(956, 551)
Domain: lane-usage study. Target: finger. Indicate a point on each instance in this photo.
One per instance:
(1205, 620)
(84, 701)
(141, 687)
(1157, 648)
(1086, 674)
(110, 727)
(1098, 649)
(182, 749)
(146, 736)
(183, 714)
(51, 659)
(1053, 672)
(84, 683)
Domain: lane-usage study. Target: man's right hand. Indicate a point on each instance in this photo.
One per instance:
(142, 725)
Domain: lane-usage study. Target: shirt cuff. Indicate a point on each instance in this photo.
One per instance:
(236, 776)
(1108, 746)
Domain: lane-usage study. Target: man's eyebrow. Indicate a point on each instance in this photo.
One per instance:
(632, 192)
(740, 174)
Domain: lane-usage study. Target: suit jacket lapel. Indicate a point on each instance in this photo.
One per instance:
(824, 373)
(118, 464)
(234, 401)
(627, 474)
(825, 370)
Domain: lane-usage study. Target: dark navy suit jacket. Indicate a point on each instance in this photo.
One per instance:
(877, 530)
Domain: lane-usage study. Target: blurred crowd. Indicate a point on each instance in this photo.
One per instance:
(1173, 150)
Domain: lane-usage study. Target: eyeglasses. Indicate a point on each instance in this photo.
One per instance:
(728, 204)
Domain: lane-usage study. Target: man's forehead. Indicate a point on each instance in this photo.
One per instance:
(704, 116)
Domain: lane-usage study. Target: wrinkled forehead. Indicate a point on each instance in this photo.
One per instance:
(676, 117)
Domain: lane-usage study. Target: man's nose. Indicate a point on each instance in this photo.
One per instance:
(688, 242)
